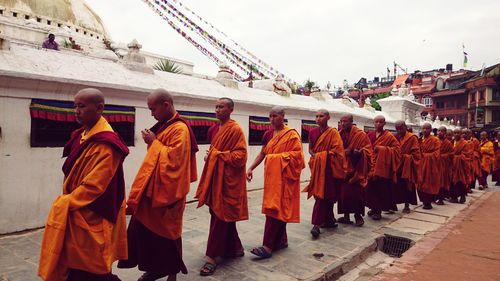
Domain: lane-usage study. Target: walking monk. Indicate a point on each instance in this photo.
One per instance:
(430, 171)
(282, 149)
(461, 167)
(328, 169)
(358, 152)
(85, 230)
(487, 158)
(445, 162)
(496, 164)
(405, 191)
(158, 194)
(383, 176)
(476, 158)
(223, 186)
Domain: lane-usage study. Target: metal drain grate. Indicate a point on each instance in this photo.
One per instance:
(395, 246)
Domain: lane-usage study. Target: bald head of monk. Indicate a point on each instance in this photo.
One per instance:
(89, 105)
(161, 105)
(442, 132)
(346, 122)
(401, 128)
(223, 109)
(426, 130)
(484, 136)
(465, 134)
(322, 117)
(379, 123)
(277, 117)
(457, 134)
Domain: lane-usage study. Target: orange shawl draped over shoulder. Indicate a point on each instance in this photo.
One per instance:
(76, 236)
(430, 171)
(461, 159)
(158, 195)
(476, 153)
(359, 164)
(446, 163)
(410, 158)
(386, 156)
(328, 147)
(282, 167)
(222, 185)
(487, 156)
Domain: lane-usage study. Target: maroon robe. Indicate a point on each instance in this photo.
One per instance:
(223, 239)
(379, 194)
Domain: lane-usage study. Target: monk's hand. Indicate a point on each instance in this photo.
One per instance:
(148, 136)
(249, 175)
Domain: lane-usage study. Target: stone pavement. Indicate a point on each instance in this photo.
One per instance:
(336, 252)
(466, 248)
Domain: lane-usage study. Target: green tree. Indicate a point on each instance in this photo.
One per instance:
(167, 66)
(309, 84)
(375, 98)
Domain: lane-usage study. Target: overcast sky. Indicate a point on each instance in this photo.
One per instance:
(327, 40)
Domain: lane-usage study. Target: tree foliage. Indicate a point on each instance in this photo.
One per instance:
(167, 66)
(376, 97)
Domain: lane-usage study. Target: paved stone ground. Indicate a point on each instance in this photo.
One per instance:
(342, 248)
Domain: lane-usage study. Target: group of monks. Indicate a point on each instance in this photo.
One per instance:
(86, 229)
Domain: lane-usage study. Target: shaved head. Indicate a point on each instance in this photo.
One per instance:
(426, 129)
(347, 117)
(91, 95)
(379, 123)
(324, 111)
(228, 101)
(161, 96)
(427, 126)
(400, 123)
(161, 105)
(278, 109)
(401, 128)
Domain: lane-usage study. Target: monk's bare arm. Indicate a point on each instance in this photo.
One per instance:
(260, 157)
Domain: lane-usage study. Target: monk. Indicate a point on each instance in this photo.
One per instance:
(476, 158)
(85, 231)
(223, 187)
(282, 149)
(460, 174)
(430, 172)
(328, 170)
(445, 162)
(383, 176)
(487, 158)
(358, 152)
(158, 194)
(449, 135)
(496, 163)
(405, 190)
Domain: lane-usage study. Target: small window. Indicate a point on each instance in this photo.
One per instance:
(496, 95)
(495, 116)
(439, 104)
(91, 35)
(77, 30)
(38, 19)
(26, 17)
(49, 22)
(1, 12)
(427, 101)
(97, 37)
(59, 25)
(14, 14)
(199, 122)
(307, 126)
(53, 121)
(84, 32)
(481, 95)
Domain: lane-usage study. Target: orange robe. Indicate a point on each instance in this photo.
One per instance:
(446, 162)
(386, 156)
(222, 185)
(329, 148)
(408, 170)
(487, 156)
(461, 160)
(158, 194)
(430, 171)
(77, 235)
(410, 159)
(282, 167)
(476, 152)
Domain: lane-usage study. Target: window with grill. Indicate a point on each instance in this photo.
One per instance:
(199, 122)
